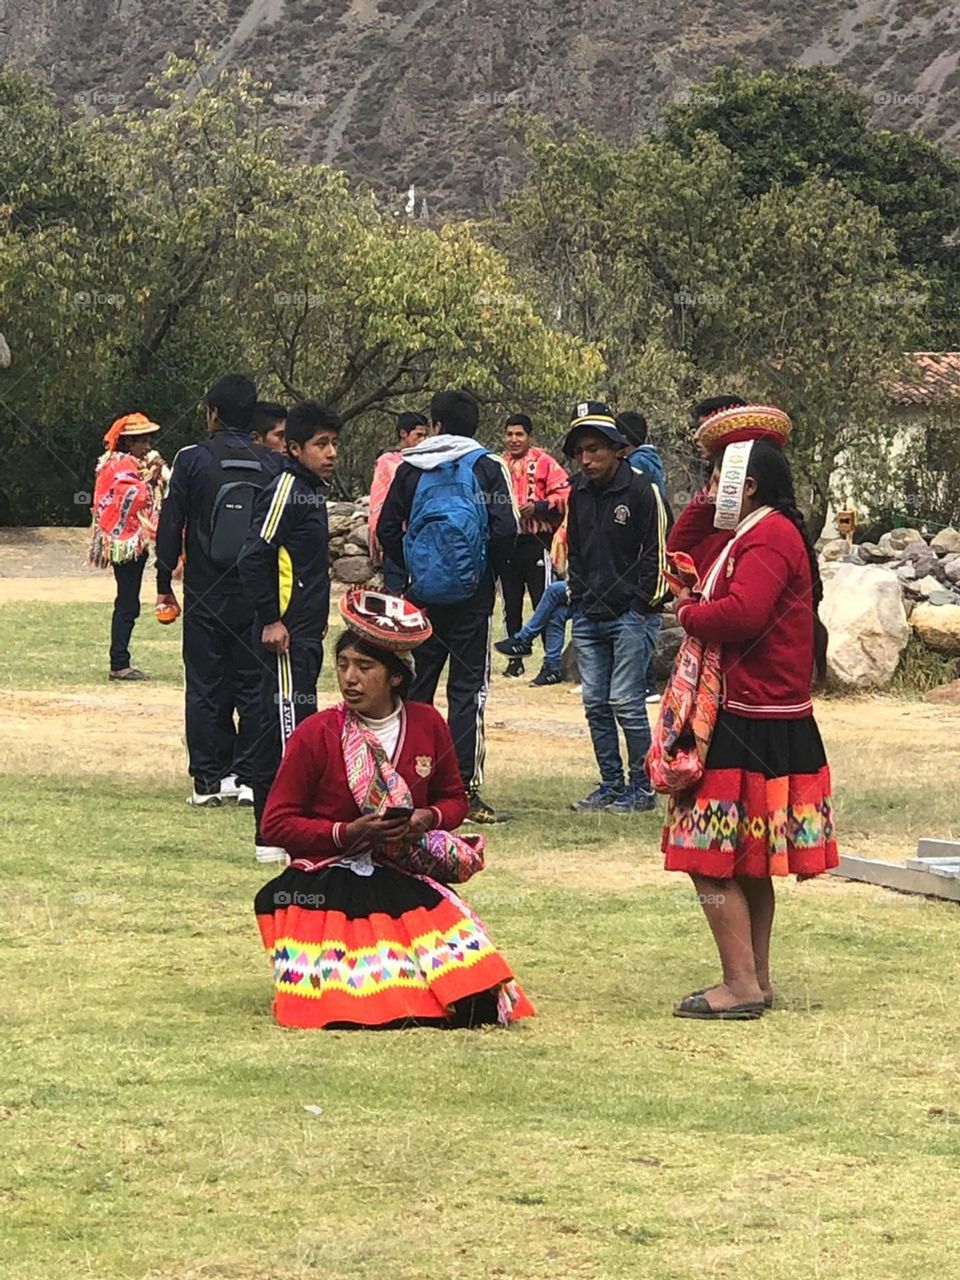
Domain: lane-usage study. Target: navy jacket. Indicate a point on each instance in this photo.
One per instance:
(285, 567)
(181, 511)
(617, 545)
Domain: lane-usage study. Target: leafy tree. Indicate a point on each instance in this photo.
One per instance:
(785, 127)
(171, 245)
(690, 286)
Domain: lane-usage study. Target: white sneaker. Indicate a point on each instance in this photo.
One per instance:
(651, 698)
(271, 853)
(230, 789)
(205, 802)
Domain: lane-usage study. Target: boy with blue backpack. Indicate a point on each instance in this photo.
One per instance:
(450, 521)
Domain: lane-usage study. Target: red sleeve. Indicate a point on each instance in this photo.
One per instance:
(447, 794)
(748, 610)
(694, 533)
(285, 820)
(557, 487)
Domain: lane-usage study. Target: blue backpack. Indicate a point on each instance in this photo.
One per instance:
(445, 545)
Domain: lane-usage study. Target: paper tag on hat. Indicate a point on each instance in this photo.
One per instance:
(733, 478)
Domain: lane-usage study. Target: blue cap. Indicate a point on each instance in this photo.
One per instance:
(593, 415)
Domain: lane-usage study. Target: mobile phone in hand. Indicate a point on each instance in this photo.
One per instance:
(396, 812)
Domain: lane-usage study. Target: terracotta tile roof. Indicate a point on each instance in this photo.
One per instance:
(939, 381)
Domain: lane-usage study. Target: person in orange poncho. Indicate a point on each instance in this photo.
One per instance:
(128, 490)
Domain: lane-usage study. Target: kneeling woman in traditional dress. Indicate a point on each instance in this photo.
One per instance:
(761, 806)
(362, 929)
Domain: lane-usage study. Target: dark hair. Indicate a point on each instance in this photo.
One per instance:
(519, 420)
(234, 396)
(456, 411)
(350, 640)
(714, 404)
(266, 415)
(406, 422)
(633, 425)
(307, 418)
(768, 465)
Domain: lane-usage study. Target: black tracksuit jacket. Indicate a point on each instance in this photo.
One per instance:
(285, 567)
(616, 545)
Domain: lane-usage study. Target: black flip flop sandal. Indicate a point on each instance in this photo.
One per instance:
(696, 1005)
(767, 1000)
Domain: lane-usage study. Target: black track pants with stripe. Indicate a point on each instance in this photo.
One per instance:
(463, 638)
(221, 672)
(288, 694)
(528, 570)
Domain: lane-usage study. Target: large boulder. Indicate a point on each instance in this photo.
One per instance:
(946, 694)
(872, 553)
(928, 586)
(568, 664)
(951, 568)
(352, 569)
(835, 549)
(938, 626)
(897, 540)
(863, 612)
(922, 558)
(946, 542)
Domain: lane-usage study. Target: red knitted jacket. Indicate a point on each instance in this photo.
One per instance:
(310, 803)
(761, 614)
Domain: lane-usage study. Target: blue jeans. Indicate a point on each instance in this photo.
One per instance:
(613, 655)
(551, 616)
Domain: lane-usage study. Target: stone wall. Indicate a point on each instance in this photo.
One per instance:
(350, 563)
(877, 594)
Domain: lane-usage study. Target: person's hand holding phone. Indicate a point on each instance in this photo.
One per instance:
(374, 830)
(421, 822)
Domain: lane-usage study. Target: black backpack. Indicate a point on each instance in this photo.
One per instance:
(233, 482)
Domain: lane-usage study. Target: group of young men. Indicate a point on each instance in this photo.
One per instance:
(449, 519)
(608, 525)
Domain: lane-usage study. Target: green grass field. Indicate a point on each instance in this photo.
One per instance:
(152, 1116)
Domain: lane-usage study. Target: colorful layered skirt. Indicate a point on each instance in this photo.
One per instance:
(384, 950)
(762, 807)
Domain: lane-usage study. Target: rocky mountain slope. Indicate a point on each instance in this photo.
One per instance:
(420, 91)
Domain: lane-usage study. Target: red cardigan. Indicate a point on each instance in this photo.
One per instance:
(693, 532)
(761, 614)
(310, 803)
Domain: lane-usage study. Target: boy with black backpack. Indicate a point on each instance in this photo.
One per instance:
(286, 572)
(451, 522)
(213, 488)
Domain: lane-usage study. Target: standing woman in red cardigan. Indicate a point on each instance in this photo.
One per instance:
(361, 926)
(762, 807)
